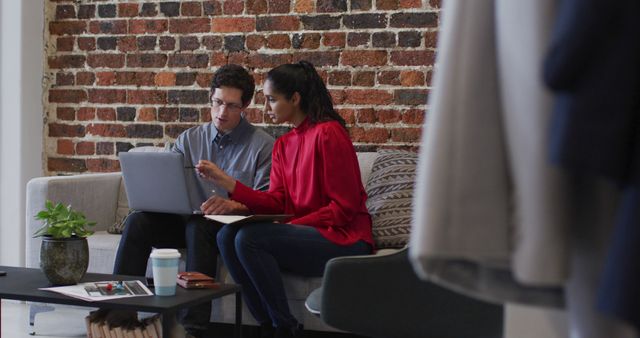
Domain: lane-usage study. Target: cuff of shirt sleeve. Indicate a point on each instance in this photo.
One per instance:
(241, 194)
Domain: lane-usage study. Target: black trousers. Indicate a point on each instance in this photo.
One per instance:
(146, 230)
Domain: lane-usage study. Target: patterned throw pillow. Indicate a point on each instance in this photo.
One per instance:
(390, 191)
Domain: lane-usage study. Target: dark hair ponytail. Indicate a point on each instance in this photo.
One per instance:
(303, 78)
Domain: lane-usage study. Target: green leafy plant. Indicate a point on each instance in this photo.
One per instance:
(62, 222)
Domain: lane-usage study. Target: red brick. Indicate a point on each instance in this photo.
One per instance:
(65, 44)
(389, 78)
(412, 78)
(86, 114)
(65, 79)
(146, 114)
(412, 58)
(411, 97)
(364, 79)
(106, 114)
(86, 43)
(167, 114)
(368, 96)
(257, 6)
(206, 115)
(319, 59)
(406, 135)
(127, 44)
(303, 6)
(173, 130)
(278, 23)
(369, 135)
(306, 40)
(278, 41)
(413, 116)
(340, 78)
(65, 113)
(334, 39)
(66, 165)
(128, 10)
(227, 25)
(212, 7)
(204, 79)
(218, 59)
(164, 79)
(67, 27)
(85, 148)
(135, 78)
(66, 61)
(267, 60)
(108, 27)
(387, 5)
(146, 96)
(66, 130)
(434, 3)
(106, 130)
(104, 148)
(65, 12)
(67, 95)
(430, 39)
(167, 43)
(255, 42)
(85, 78)
(388, 116)
(189, 60)
(153, 26)
(338, 96)
(106, 60)
(232, 7)
(65, 147)
(200, 25)
(404, 4)
(366, 116)
(107, 95)
(103, 165)
(364, 58)
(254, 115)
(279, 6)
(146, 60)
(105, 78)
(191, 8)
(348, 115)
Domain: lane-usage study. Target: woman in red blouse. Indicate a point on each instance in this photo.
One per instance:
(314, 177)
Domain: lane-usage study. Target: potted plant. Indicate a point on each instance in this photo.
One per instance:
(64, 252)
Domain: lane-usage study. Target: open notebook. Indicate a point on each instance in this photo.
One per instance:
(240, 219)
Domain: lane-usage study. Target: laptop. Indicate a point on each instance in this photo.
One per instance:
(159, 182)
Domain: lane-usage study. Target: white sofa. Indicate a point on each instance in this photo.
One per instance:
(102, 196)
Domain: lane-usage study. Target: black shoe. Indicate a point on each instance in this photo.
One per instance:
(267, 330)
(289, 332)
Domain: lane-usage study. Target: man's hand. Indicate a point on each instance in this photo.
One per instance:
(212, 172)
(217, 205)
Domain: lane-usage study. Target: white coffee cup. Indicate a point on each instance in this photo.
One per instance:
(165, 271)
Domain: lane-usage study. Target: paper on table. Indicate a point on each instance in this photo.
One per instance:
(240, 219)
(97, 291)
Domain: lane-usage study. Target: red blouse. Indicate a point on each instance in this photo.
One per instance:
(315, 177)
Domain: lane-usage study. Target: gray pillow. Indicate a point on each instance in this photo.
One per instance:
(390, 197)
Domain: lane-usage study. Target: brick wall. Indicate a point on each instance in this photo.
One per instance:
(124, 74)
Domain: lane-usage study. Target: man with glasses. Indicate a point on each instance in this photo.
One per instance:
(234, 145)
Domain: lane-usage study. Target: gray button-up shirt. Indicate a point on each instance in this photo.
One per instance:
(244, 153)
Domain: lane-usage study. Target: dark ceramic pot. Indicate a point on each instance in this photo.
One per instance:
(64, 261)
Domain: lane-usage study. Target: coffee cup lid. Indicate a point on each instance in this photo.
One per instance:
(165, 253)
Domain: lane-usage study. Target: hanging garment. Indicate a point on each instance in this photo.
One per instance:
(489, 216)
(593, 67)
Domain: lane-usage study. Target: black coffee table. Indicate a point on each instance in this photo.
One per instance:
(23, 284)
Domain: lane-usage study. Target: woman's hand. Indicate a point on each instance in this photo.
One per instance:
(217, 205)
(212, 172)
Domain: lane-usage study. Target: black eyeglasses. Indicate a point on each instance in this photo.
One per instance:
(216, 103)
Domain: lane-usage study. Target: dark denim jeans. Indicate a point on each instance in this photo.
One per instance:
(146, 230)
(255, 254)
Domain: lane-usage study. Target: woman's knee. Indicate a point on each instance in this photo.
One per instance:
(226, 237)
(249, 237)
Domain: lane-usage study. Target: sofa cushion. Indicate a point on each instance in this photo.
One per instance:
(390, 191)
